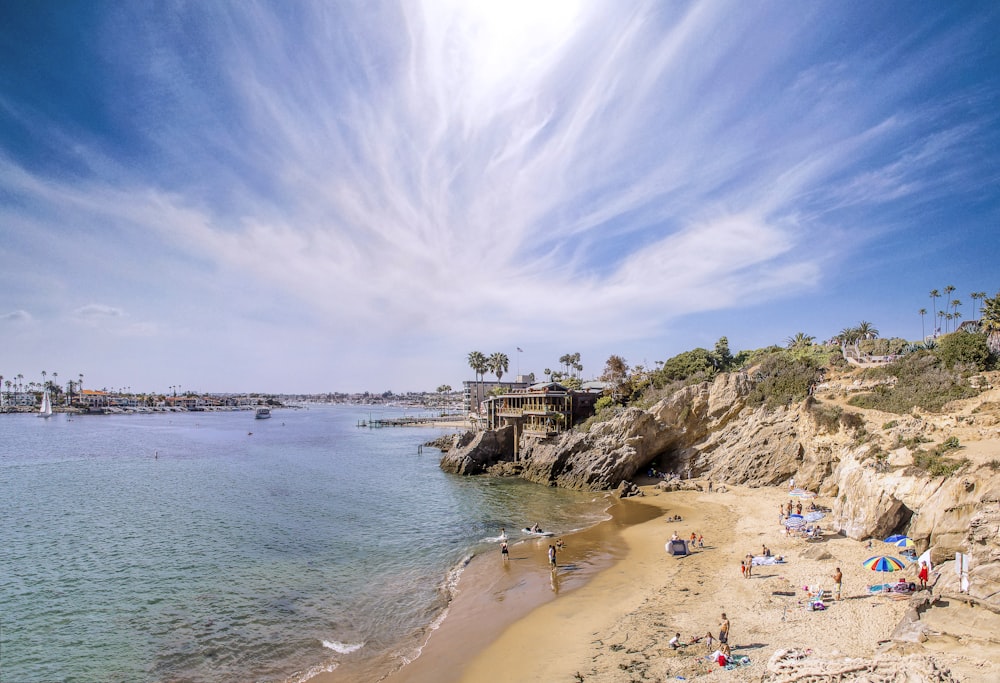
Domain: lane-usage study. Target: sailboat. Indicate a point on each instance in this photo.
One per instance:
(46, 409)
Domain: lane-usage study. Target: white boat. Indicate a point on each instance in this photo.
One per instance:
(263, 413)
(46, 409)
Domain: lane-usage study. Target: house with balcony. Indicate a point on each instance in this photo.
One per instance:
(540, 410)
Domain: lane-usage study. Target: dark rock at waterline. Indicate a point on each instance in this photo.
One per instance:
(475, 452)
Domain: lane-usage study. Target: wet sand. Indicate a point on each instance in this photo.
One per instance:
(493, 595)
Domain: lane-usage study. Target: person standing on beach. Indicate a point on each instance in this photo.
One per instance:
(552, 556)
(504, 552)
(923, 575)
(724, 629)
(838, 581)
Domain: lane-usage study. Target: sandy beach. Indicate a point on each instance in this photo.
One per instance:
(609, 610)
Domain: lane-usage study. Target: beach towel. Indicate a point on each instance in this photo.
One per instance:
(737, 662)
(766, 560)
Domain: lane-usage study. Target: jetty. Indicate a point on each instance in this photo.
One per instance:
(409, 421)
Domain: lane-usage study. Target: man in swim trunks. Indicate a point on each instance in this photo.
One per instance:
(838, 581)
(724, 629)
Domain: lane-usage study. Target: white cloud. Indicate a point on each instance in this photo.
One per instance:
(16, 317)
(92, 312)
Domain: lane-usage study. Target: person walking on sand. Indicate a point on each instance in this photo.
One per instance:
(838, 582)
(749, 565)
(504, 552)
(724, 629)
(743, 568)
(552, 556)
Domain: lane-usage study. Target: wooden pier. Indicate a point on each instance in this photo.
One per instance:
(409, 421)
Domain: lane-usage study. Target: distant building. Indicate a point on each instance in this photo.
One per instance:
(474, 393)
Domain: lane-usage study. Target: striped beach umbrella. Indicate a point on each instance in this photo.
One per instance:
(905, 542)
(801, 493)
(795, 521)
(883, 563)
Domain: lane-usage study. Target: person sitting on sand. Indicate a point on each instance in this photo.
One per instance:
(675, 642)
(709, 640)
(675, 537)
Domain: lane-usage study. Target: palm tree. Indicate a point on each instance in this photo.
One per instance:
(934, 295)
(479, 365)
(498, 363)
(43, 377)
(940, 320)
(922, 312)
(866, 330)
(990, 322)
(800, 339)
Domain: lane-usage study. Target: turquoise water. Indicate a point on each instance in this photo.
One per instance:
(180, 547)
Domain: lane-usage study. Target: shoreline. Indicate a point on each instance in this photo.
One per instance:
(615, 609)
(492, 595)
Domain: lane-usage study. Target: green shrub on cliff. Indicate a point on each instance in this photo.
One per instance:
(965, 348)
(922, 380)
(781, 379)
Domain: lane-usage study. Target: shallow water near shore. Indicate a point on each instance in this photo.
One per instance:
(180, 547)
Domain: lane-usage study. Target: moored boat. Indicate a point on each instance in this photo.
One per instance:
(263, 413)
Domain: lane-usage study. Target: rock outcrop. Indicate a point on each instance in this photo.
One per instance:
(709, 432)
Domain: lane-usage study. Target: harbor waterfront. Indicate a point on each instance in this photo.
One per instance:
(205, 547)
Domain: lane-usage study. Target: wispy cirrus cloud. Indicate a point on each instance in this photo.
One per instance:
(450, 166)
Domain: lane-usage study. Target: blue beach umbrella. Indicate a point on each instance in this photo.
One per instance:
(814, 516)
(894, 538)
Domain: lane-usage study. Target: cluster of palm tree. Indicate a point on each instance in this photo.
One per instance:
(948, 317)
(571, 367)
(854, 335)
(497, 363)
(16, 387)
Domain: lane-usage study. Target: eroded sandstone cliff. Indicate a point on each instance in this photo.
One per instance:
(861, 471)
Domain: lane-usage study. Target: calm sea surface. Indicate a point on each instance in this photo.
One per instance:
(179, 547)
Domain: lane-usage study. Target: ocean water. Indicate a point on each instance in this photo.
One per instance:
(182, 547)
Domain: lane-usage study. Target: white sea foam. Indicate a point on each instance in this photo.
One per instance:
(342, 648)
(312, 672)
(454, 574)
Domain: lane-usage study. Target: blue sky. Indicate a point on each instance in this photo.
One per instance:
(298, 196)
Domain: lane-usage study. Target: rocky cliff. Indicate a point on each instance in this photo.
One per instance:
(862, 471)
